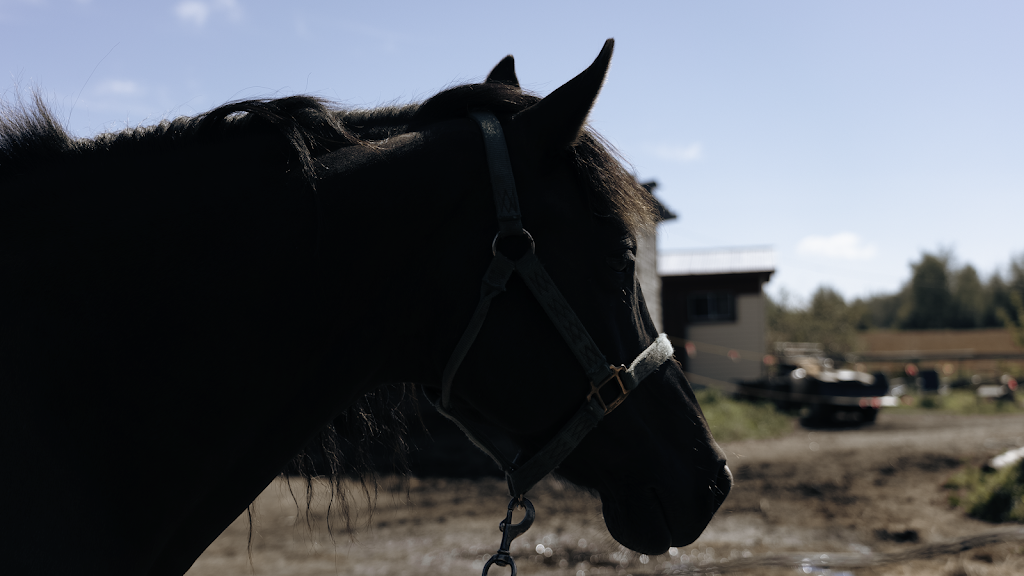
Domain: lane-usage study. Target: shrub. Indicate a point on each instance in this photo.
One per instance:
(739, 419)
(995, 496)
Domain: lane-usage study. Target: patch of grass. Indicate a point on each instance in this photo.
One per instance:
(740, 420)
(959, 402)
(995, 496)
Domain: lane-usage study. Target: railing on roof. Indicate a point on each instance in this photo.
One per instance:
(716, 261)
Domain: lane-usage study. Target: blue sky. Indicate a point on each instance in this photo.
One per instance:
(849, 136)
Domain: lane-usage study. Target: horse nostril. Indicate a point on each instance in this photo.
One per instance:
(722, 485)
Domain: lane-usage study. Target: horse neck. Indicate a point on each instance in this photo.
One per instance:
(163, 300)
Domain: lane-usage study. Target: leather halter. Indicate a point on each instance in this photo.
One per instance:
(610, 385)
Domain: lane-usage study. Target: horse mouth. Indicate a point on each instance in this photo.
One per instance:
(649, 522)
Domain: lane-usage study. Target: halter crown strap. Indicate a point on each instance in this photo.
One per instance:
(523, 477)
(500, 270)
(503, 184)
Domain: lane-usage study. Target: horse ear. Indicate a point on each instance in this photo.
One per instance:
(557, 120)
(504, 72)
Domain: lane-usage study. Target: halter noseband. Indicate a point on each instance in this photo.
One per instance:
(609, 384)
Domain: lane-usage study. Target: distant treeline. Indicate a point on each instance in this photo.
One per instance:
(938, 295)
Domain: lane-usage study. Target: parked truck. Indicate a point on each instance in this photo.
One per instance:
(802, 377)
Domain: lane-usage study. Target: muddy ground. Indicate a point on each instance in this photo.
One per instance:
(869, 498)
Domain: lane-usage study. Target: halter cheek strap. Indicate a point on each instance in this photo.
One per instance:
(609, 384)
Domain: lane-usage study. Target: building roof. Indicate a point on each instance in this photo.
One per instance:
(663, 212)
(716, 261)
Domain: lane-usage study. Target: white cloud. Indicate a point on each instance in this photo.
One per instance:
(198, 12)
(844, 246)
(193, 12)
(119, 87)
(684, 154)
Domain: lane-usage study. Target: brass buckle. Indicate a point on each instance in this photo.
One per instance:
(595, 391)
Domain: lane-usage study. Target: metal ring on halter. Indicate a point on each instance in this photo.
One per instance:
(498, 236)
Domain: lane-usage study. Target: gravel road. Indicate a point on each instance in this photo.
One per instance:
(871, 498)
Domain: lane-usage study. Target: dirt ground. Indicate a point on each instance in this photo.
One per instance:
(864, 501)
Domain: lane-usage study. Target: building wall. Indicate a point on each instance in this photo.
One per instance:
(745, 335)
(647, 274)
(674, 291)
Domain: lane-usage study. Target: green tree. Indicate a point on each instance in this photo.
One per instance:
(929, 299)
(1003, 298)
(967, 308)
(997, 301)
(1017, 273)
(827, 320)
(878, 311)
(938, 295)
(1014, 321)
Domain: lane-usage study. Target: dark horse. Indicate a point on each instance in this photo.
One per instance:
(197, 299)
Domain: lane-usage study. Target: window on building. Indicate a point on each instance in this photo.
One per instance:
(711, 306)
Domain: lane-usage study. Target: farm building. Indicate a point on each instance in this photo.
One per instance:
(647, 263)
(713, 303)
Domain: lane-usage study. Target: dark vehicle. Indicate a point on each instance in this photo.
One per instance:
(804, 378)
(1002, 389)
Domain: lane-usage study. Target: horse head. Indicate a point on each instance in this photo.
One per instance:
(652, 460)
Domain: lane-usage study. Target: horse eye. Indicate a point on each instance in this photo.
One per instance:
(619, 262)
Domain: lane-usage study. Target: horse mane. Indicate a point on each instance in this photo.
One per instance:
(305, 128)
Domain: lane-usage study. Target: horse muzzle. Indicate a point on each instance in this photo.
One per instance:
(650, 520)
